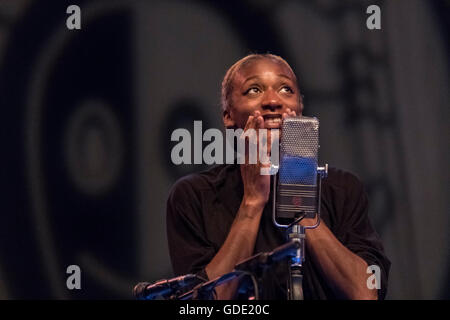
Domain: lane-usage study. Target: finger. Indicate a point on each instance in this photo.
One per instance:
(287, 113)
(249, 122)
(249, 125)
(258, 119)
(262, 140)
(253, 120)
(249, 135)
(260, 122)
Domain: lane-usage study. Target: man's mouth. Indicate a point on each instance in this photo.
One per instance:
(272, 121)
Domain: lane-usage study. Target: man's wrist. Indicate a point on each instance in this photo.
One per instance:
(254, 203)
(251, 207)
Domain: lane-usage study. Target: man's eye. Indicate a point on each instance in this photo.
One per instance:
(252, 90)
(287, 89)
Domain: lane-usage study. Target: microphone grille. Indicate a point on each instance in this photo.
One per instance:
(300, 137)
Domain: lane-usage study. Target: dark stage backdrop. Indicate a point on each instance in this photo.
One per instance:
(87, 115)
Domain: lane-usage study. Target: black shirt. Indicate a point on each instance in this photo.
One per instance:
(201, 208)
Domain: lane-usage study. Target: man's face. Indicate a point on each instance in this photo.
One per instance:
(265, 86)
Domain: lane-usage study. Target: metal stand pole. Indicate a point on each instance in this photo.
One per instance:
(296, 231)
(295, 289)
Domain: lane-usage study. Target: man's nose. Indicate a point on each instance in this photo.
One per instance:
(271, 101)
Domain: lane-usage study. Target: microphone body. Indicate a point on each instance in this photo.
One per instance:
(163, 288)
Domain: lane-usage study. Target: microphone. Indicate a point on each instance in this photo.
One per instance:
(150, 291)
(296, 194)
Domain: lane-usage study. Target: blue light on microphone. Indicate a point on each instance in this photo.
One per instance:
(298, 170)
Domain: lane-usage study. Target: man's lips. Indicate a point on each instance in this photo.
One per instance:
(272, 121)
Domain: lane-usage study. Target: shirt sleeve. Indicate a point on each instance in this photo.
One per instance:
(190, 250)
(358, 234)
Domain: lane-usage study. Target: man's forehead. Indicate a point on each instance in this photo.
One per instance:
(263, 67)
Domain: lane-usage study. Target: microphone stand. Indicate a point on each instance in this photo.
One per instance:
(297, 232)
(204, 290)
(167, 289)
(257, 264)
(253, 266)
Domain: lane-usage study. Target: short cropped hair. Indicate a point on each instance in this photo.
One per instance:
(227, 82)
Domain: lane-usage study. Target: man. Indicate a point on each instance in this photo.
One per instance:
(219, 217)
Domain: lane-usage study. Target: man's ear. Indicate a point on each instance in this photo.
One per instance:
(228, 122)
